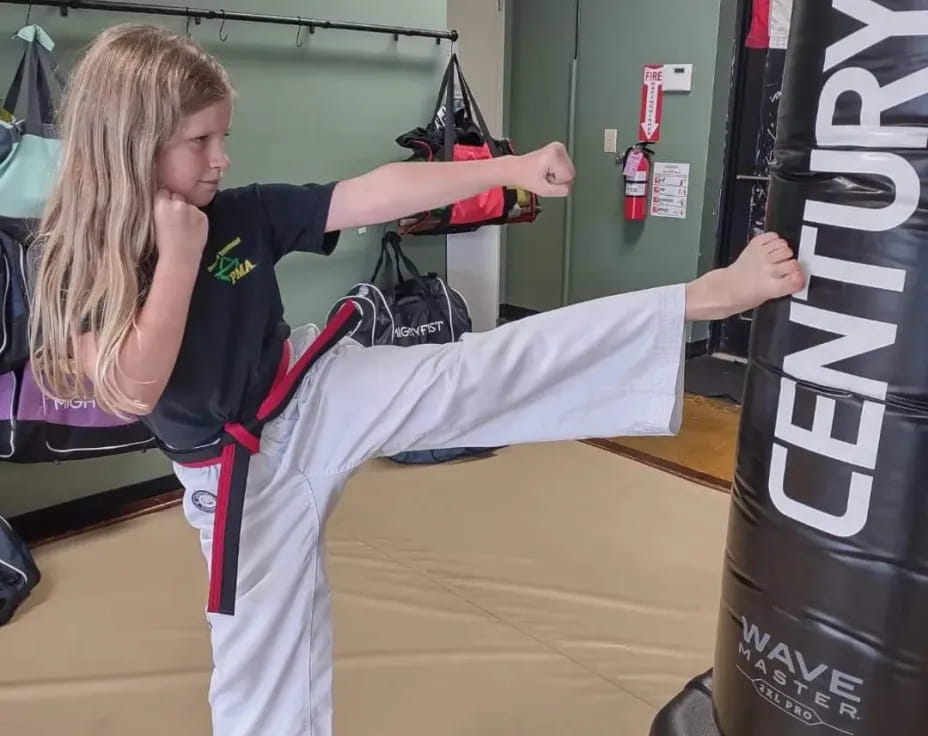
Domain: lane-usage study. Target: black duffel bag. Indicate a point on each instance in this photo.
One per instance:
(403, 307)
(18, 571)
(404, 310)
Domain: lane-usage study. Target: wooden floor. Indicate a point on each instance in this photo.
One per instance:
(704, 451)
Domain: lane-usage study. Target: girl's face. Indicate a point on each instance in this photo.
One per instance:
(194, 160)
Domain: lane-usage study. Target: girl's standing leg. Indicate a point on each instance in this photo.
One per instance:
(272, 660)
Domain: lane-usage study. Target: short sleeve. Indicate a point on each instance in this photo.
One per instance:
(296, 217)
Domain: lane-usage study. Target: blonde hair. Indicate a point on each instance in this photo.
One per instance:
(123, 101)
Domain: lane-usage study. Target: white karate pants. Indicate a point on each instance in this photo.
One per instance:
(606, 367)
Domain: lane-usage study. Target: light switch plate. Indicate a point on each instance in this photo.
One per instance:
(610, 140)
(678, 77)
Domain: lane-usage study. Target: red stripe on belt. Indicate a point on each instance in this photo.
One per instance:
(220, 523)
(243, 439)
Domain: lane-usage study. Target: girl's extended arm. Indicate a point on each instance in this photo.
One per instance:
(399, 189)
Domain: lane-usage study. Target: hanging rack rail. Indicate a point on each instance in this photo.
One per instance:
(199, 14)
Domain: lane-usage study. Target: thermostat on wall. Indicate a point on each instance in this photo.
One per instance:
(678, 77)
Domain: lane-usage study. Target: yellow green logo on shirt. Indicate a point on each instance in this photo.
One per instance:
(229, 268)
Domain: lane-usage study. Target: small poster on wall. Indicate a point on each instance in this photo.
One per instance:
(669, 192)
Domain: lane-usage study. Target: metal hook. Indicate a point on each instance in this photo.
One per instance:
(188, 23)
(299, 30)
(222, 25)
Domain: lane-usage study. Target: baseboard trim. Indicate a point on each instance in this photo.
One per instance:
(100, 509)
(668, 466)
(512, 313)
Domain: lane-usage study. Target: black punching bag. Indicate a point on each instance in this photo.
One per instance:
(824, 617)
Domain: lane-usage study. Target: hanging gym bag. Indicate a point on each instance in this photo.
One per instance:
(29, 146)
(35, 428)
(458, 132)
(410, 309)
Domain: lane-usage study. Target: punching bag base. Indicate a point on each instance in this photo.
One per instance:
(690, 712)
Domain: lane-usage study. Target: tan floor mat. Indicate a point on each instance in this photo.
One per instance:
(551, 589)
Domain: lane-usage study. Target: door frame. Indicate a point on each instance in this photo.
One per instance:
(474, 260)
(733, 335)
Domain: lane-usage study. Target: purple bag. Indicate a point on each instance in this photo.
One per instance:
(43, 429)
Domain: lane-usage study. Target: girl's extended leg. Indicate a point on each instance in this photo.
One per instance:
(606, 367)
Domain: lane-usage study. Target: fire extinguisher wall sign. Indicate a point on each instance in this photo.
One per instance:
(652, 103)
(637, 172)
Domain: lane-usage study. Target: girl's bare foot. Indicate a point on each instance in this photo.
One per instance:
(765, 270)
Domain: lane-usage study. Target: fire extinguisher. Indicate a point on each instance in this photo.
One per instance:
(637, 172)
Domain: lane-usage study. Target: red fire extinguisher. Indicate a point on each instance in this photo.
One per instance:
(637, 171)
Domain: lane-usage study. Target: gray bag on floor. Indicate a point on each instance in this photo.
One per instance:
(18, 571)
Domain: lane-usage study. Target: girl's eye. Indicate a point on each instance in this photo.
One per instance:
(200, 139)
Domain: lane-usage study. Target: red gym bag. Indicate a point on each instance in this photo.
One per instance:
(466, 138)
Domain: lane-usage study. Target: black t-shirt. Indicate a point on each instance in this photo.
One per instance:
(235, 330)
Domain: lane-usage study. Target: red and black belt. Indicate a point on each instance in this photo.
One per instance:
(241, 440)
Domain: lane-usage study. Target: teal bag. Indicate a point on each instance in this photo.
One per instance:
(29, 144)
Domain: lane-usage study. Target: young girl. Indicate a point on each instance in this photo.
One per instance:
(156, 289)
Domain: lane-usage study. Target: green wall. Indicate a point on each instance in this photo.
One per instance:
(328, 110)
(615, 40)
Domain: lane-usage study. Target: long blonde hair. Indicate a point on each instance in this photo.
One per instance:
(122, 103)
